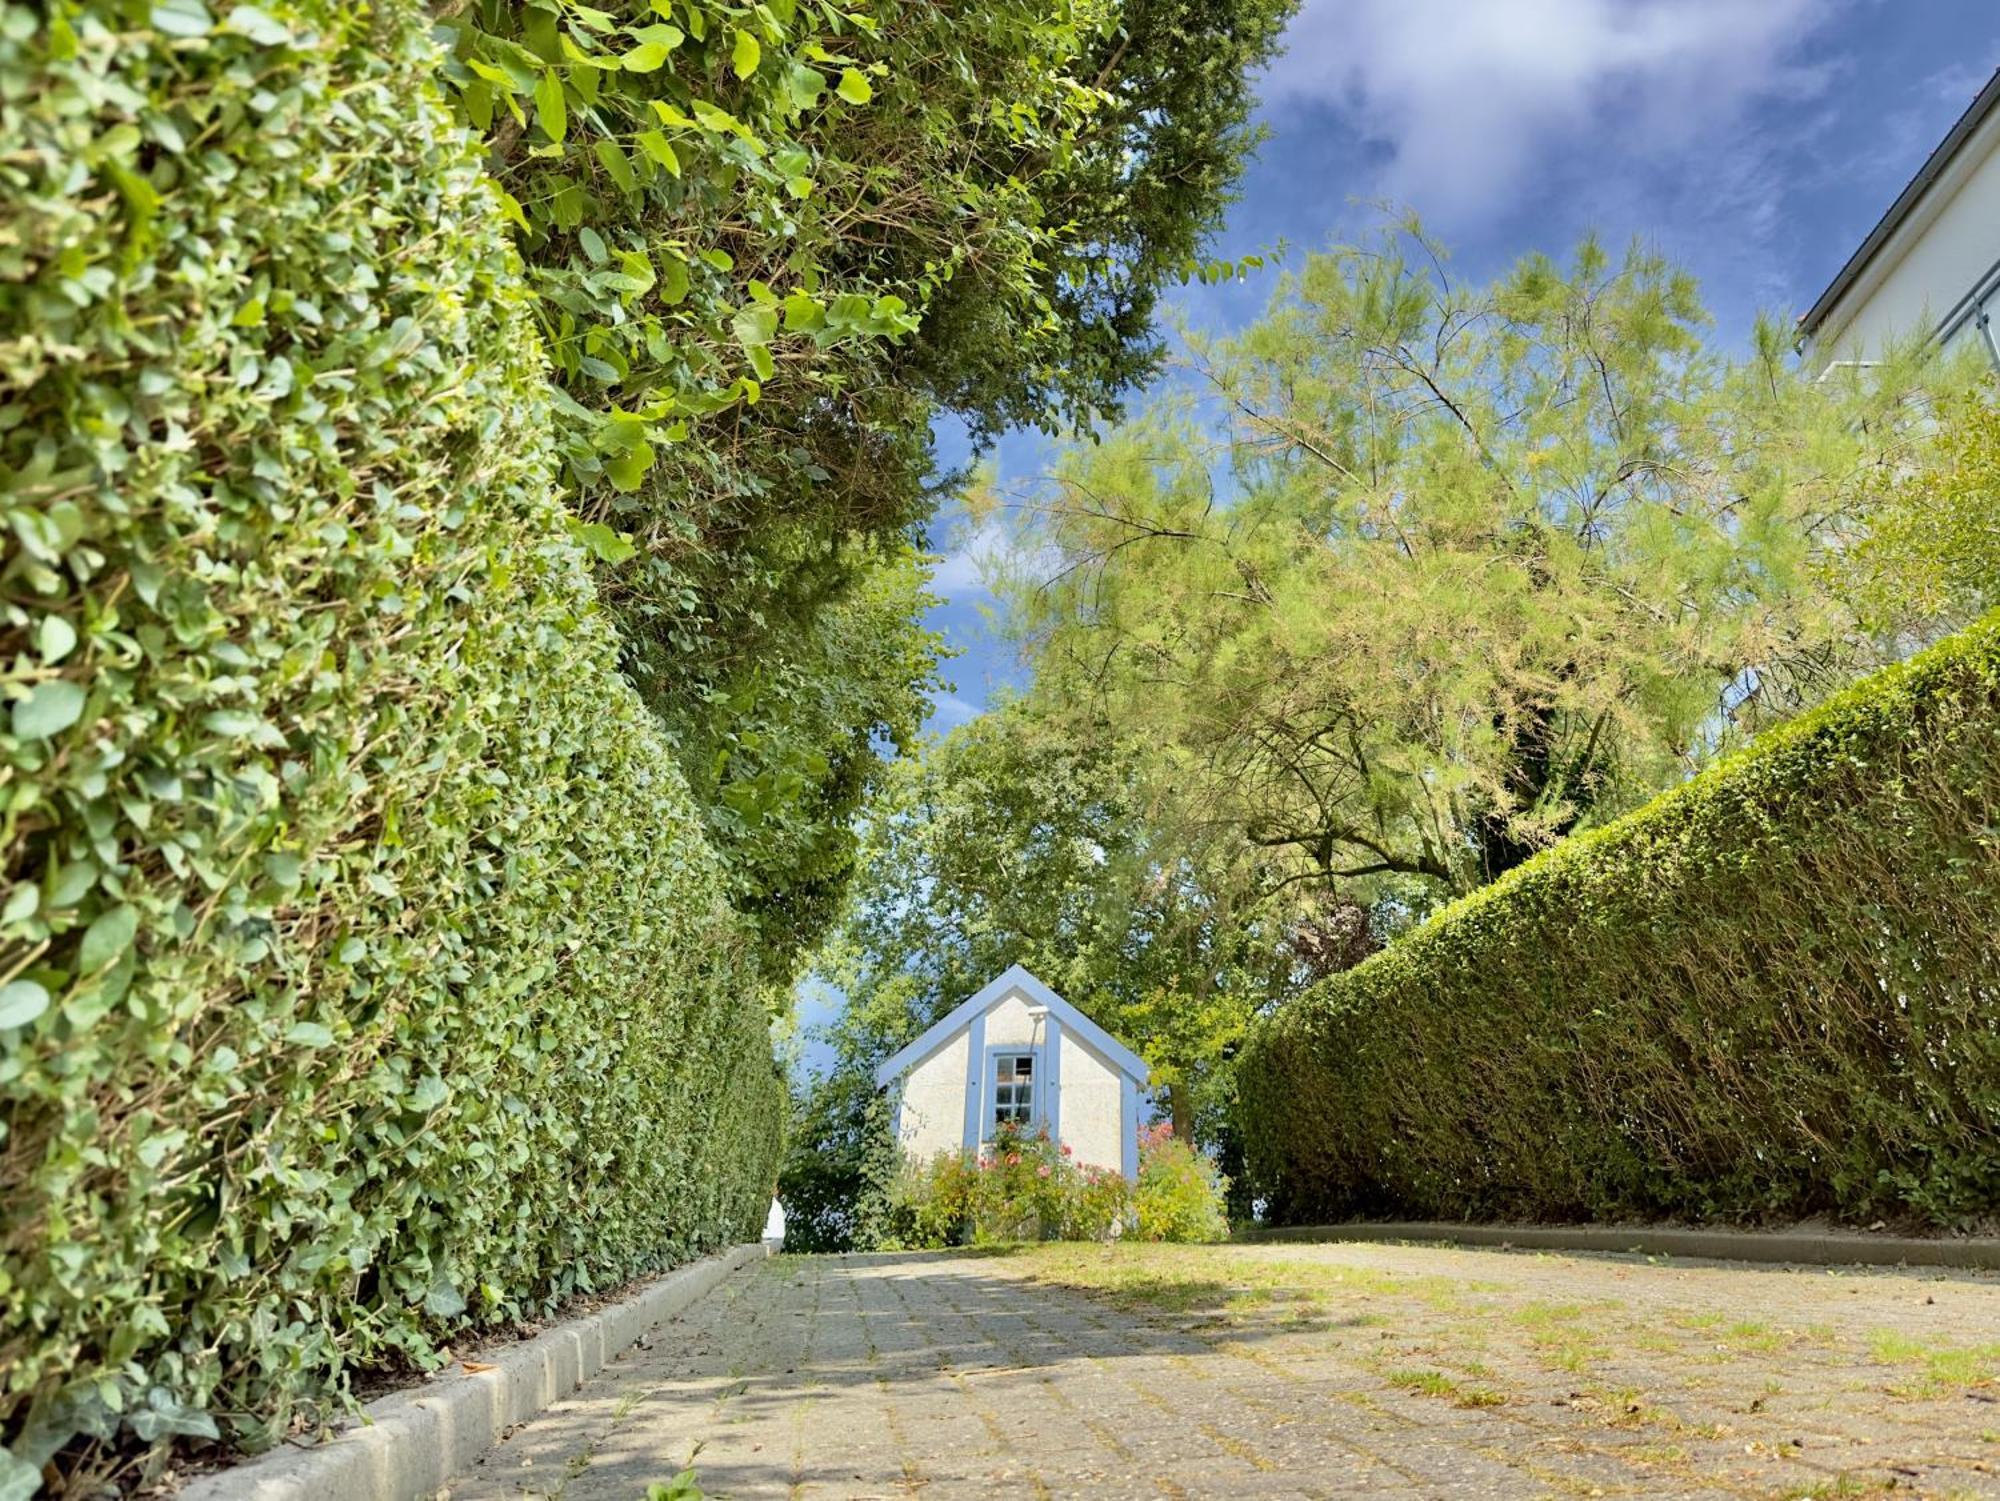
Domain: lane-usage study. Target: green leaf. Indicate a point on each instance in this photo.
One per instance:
(660, 149)
(609, 153)
(626, 470)
(22, 903)
(19, 1480)
(854, 88)
(264, 29)
(746, 54)
(807, 85)
(498, 77)
(803, 312)
(21, 1001)
(309, 1035)
(444, 1300)
(551, 111)
(55, 638)
(106, 940)
(603, 543)
(755, 325)
(49, 709)
(673, 279)
(510, 207)
(645, 58)
(234, 723)
(430, 1093)
(761, 361)
(182, 18)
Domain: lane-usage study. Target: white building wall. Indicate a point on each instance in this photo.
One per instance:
(1092, 1106)
(933, 1107)
(1090, 1115)
(1009, 1025)
(1936, 257)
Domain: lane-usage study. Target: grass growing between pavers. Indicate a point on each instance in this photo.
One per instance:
(1938, 1368)
(1698, 1392)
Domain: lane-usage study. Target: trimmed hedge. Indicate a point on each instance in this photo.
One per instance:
(1771, 992)
(366, 975)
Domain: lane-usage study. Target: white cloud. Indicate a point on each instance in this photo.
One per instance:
(1473, 97)
(964, 570)
(949, 711)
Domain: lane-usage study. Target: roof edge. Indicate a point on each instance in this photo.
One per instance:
(1983, 104)
(1015, 977)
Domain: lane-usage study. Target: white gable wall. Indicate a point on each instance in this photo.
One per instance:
(1009, 1025)
(1090, 1116)
(933, 1106)
(1092, 1106)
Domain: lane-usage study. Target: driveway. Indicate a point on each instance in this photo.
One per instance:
(1345, 1370)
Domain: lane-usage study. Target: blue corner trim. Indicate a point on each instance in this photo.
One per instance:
(1128, 1124)
(1051, 1085)
(975, 1089)
(1015, 979)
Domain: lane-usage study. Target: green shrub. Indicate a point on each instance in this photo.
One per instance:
(1770, 992)
(932, 1203)
(366, 974)
(1179, 1195)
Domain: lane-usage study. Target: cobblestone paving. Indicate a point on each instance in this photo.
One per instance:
(1326, 1371)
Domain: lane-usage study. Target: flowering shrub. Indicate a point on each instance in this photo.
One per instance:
(1020, 1186)
(1179, 1194)
(1024, 1186)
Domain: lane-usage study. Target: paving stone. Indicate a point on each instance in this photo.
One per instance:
(1301, 1371)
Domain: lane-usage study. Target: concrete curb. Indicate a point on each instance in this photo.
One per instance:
(411, 1442)
(1810, 1247)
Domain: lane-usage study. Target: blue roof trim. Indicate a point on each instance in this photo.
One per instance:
(990, 995)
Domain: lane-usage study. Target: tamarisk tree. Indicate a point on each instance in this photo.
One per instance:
(1411, 578)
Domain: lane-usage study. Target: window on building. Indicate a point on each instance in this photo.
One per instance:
(1013, 1089)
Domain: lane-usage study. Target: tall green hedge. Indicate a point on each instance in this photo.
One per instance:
(364, 974)
(1774, 991)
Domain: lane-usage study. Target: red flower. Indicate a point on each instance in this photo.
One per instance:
(1013, 1159)
(1042, 1171)
(1066, 1151)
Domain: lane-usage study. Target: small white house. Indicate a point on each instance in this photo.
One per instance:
(1018, 1052)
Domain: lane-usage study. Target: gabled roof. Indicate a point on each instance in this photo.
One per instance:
(990, 995)
(1975, 115)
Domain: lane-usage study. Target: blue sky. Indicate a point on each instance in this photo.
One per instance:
(1754, 141)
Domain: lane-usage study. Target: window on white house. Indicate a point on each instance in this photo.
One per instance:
(1013, 1089)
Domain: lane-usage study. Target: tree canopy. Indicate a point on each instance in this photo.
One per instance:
(772, 243)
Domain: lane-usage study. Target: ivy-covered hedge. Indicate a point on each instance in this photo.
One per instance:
(364, 974)
(1774, 991)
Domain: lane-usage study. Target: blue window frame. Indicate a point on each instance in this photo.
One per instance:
(1012, 1093)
